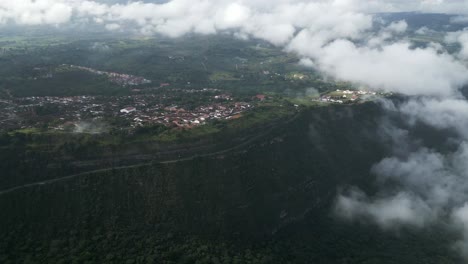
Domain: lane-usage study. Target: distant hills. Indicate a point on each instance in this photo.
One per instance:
(416, 20)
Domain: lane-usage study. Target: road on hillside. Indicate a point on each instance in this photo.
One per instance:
(69, 177)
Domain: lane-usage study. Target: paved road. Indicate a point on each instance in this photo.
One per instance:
(67, 178)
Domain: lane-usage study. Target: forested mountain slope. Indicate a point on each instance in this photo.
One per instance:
(268, 202)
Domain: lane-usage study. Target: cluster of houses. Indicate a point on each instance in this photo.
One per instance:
(118, 78)
(178, 116)
(329, 99)
(343, 96)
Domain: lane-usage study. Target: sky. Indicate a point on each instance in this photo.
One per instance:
(337, 38)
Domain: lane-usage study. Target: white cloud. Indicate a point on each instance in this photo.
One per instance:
(389, 212)
(398, 27)
(393, 67)
(112, 26)
(460, 37)
(227, 13)
(92, 8)
(423, 31)
(233, 16)
(440, 113)
(307, 62)
(431, 184)
(36, 12)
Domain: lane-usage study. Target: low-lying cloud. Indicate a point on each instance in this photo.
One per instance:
(388, 212)
(418, 185)
(461, 38)
(392, 67)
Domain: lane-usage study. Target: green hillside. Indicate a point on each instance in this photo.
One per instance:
(268, 201)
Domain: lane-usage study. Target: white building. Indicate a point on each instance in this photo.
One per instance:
(128, 110)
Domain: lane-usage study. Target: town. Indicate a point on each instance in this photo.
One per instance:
(171, 108)
(162, 105)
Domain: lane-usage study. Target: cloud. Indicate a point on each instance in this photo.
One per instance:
(394, 67)
(222, 13)
(460, 220)
(444, 113)
(112, 27)
(234, 15)
(398, 27)
(418, 185)
(423, 31)
(388, 212)
(29, 12)
(431, 186)
(461, 38)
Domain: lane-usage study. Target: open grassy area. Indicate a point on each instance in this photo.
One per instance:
(223, 76)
